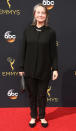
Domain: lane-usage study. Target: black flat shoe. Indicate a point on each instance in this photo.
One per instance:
(44, 124)
(32, 124)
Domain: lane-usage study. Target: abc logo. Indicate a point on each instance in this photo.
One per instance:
(47, 2)
(12, 93)
(9, 36)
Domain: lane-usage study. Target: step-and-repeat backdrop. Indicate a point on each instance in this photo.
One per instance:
(15, 15)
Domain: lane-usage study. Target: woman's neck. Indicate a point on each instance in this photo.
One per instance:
(40, 24)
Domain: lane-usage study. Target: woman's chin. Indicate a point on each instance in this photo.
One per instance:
(40, 20)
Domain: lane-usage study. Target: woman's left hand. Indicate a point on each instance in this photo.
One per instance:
(55, 75)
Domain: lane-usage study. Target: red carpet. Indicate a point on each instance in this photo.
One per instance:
(17, 119)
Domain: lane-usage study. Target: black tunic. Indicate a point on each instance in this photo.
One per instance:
(39, 52)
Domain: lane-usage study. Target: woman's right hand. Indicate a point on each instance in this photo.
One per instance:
(21, 73)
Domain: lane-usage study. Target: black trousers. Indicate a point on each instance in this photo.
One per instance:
(37, 90)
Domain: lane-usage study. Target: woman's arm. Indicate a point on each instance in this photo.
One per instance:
(22, 53)
(53, 51)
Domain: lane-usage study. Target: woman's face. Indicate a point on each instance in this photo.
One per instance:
(40, 14)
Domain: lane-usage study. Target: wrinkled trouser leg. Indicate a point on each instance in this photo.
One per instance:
(32, 92)
(42, 99)
(37, 89)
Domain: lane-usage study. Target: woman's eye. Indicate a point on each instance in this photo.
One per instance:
(43, 12)
(38, 12)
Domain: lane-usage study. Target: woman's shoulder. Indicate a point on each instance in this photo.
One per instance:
(27, 27)
(48, 27)
(51, 29)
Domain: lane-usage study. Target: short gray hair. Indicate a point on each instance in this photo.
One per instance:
(46, 10)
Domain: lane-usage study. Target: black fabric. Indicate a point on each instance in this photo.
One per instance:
(22, 84)
(38, 53)
(37, 90)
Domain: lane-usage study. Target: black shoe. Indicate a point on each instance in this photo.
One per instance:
(44, 124)
(32, 124)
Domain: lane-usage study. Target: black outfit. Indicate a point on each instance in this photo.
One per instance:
(37, 93)
(38, 55)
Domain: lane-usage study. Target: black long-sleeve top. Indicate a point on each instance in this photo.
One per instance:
(39, 52)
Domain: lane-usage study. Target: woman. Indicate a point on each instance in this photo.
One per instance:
(38, 60)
